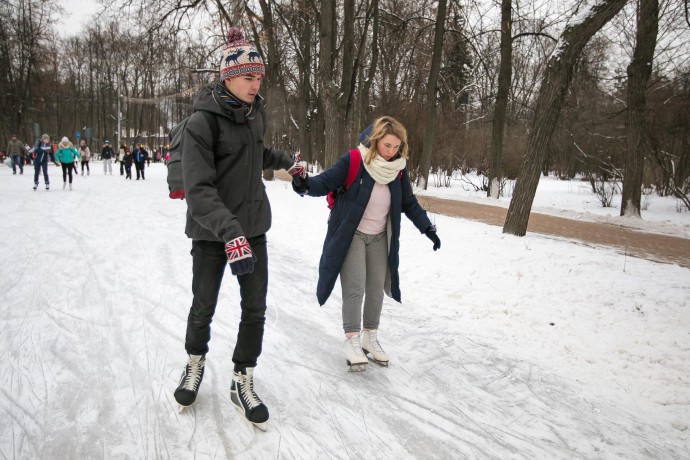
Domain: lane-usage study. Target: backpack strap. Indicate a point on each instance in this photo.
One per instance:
(353, 169)
(213, 124)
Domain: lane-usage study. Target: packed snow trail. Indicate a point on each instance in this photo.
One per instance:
(95, 296)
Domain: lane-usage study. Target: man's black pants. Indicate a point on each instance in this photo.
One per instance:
(208, 265)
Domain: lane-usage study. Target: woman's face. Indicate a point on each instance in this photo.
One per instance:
(388, 146)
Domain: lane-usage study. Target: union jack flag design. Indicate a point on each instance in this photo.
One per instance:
(238, 249)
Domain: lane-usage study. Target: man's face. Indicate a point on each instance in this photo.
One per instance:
(14, 138)
(245, 87)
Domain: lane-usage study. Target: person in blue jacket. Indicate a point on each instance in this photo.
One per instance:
(363, 236)
(42, 151)
(139, 156)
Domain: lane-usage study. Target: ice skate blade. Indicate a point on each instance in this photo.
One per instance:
(360, 367)
(370, 356)
(181, 408)
(263, 426)
(380, 363)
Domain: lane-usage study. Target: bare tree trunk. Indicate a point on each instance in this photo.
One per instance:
(275, 83)
(371, 72)
(505, 75)
(557, 77)
(431, 89)
(639, 139)
(348, 60)
(328, 90)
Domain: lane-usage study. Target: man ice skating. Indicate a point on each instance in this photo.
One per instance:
(15, 150)
(42, 151)
(228, 215)
(107, 155)
(139, 156)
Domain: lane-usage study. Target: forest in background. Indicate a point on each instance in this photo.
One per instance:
(335, 65)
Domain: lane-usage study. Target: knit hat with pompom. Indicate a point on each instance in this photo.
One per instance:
(240, 57)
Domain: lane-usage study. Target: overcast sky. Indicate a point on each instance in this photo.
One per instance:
(78, 13)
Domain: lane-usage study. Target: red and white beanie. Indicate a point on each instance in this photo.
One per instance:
(240, 57)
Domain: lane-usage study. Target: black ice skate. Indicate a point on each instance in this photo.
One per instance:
(193, 373)
(246, 400)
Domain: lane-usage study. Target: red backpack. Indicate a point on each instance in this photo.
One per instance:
(355, 162)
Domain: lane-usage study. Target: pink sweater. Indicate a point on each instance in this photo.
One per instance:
(375, 216)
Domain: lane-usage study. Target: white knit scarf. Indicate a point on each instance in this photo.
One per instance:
(382, 171)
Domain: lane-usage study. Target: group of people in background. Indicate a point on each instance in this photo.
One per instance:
(69, 157)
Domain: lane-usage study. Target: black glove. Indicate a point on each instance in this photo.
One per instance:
(300, 184)
(431, 234)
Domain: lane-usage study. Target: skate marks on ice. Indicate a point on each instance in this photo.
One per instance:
(461, 399)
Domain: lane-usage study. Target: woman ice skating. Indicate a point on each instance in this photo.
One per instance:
(85, 154)
(66, 156)
(362, 239)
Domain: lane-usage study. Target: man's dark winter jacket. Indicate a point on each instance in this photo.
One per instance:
(42, 152)
(107, 153)
(346, 215)
(225, 194)
(15, 148)
(140, 155)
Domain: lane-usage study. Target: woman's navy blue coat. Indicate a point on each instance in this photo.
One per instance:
(347, 213)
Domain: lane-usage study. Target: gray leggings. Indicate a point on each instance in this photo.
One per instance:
(364, 271)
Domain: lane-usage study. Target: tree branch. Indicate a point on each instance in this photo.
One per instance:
(535, 34)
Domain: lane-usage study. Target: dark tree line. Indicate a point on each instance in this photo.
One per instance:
(465, 77)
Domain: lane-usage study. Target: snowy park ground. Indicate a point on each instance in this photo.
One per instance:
(503, 347)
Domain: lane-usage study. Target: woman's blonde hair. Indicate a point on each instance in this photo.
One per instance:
(381, 128)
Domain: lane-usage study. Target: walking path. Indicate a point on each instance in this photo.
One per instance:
(651, 246)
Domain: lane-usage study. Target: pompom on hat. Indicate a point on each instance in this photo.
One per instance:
(240, 57)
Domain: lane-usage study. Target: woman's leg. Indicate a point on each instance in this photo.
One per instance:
(353, 282)
(377, 267)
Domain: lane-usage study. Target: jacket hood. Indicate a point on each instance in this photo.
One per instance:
(208, 101)
(364, 135)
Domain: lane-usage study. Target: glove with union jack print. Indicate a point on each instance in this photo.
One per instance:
(297, 170)
(240, 256)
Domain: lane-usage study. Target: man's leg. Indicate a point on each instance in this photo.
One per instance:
(208, 265)
(44, 165)
(253, 290)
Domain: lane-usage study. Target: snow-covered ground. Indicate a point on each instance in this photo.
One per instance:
(574, 200)
(504, 347)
